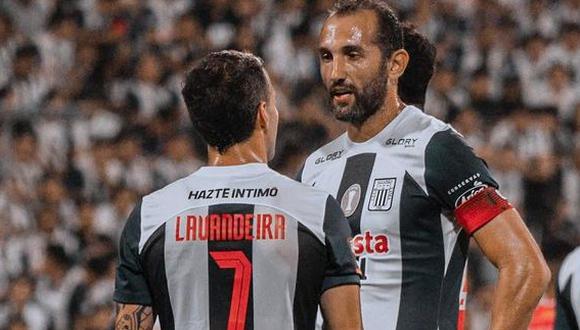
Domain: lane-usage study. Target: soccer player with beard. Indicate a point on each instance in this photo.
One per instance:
(413, 192)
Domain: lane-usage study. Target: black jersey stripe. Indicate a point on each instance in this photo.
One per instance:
(221, 280)
(310, 274)
(153, 258)
(357, 170)
(450, 291)
(565, 316)
(423, 259)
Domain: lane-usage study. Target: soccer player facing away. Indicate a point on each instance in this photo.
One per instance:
(412, 190)
(236, 245)
(568, 293)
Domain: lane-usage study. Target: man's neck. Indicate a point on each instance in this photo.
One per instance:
(377, 122)
(238, 154)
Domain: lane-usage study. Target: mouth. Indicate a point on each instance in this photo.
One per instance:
(342, 96)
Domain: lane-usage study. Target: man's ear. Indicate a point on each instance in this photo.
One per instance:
(263, 116)
(398, 63)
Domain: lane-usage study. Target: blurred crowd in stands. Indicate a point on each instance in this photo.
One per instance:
(91, 119)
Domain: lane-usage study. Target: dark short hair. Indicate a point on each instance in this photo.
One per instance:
(415, 80)
(57, 253)
(389, 34)
(222, 93)
(22, 128)
(27, 50)
(569, 27)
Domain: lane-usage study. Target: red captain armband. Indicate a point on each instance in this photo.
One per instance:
(480, 209)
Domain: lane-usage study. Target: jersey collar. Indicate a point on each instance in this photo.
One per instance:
(233, 170)
(386, 131)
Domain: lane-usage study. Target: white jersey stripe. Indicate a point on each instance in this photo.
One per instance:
(274, 299)
(189, 299)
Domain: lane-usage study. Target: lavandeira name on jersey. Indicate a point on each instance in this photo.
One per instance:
(408, 194)
(230, 227)
(237, 247)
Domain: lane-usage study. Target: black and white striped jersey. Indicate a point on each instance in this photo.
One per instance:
(399, 191)
(234, 247)
(568, 293)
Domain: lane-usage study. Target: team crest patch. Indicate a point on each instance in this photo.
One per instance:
(382, 194)
(350, 199)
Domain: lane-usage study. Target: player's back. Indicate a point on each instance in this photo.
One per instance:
(236, 247)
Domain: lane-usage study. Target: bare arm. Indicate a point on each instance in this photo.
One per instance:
(134, 317)
(523, 273)
(341, 308)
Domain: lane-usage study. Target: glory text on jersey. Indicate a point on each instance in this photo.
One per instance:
(230, 227)
(233, 193)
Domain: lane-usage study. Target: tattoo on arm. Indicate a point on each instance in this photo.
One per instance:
(134, 317)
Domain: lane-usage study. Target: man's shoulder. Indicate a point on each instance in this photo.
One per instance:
(167, 194)
(299, 188)
(410, 136)
(425, 126)
(327, 154)
(433, 132)
(158, 206)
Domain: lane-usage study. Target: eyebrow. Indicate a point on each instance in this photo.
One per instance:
(352, 48)
(344, 49)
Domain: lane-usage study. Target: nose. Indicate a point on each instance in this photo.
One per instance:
(338, 73)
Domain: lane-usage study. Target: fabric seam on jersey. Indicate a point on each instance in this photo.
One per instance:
(309, 232)
(156, 234)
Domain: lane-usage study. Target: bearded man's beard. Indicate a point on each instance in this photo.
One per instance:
(366, 101)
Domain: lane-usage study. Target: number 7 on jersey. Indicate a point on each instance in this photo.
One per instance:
(242, 267)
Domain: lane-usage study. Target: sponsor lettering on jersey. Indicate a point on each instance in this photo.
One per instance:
(233, 193)
(406, 142)
(367, 243)
(230, 227)
(333, 156)
(470, 193)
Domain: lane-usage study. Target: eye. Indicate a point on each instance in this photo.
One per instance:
(325, 57)
(353, 55)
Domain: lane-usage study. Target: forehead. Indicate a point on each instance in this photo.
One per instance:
(356, 28)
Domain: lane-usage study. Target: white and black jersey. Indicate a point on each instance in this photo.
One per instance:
(399, 191)
(234, 247)
(568, 293)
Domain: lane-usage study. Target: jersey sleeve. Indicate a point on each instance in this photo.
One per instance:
(130, 283)
(568, 293)
(460, 182)
(341, 266)
(565, 317)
